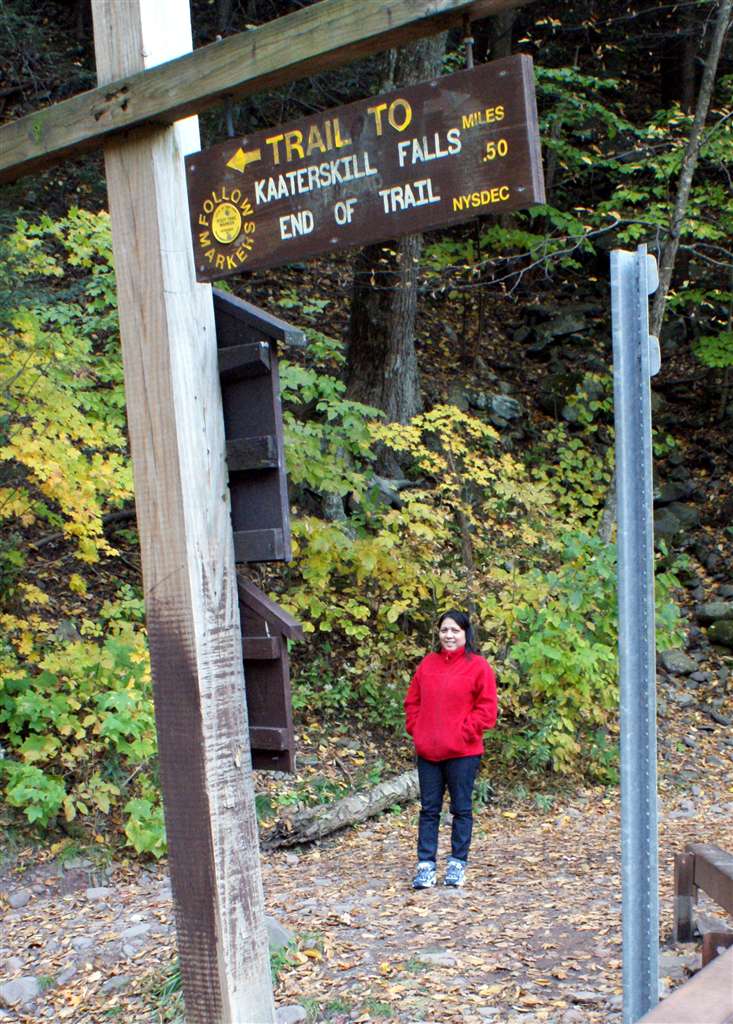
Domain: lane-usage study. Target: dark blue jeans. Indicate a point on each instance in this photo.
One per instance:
(458, 774)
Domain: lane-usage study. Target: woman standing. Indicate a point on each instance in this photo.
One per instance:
(450, 703)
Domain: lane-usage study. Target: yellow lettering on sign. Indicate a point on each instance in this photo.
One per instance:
(486, 197)
(338, 141)
(399, 115)
(294, 144)
(315, 140)
(275, 141)
(400, 124)
(376, 112)
(223, 226)
(489, 115)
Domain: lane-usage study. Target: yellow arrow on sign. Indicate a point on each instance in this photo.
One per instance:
(240, 159)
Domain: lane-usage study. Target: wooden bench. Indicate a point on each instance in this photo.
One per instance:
(710, 868)
(707, 998)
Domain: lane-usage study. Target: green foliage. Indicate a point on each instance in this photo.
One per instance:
(166, 995)
(77, 724)
(145, 826)
(327, 450)
(715, 349)
(40, 795)
(575, 459)
(63, 450)
(559, 628)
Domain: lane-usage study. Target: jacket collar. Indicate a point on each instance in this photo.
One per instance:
(450, 657)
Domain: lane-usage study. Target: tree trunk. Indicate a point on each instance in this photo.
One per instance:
(500, 34)
(689, 164)
(316, 822)
(382, 367)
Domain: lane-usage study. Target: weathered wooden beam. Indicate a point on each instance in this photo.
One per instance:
(704, 999)
(248, 453)
(259, 546)
(325, 35)
(241, 362)
(714, 873)
(261, 648)
(177, 440)
(685, 895)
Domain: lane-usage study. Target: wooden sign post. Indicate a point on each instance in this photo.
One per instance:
(177, 439)
(148, 80)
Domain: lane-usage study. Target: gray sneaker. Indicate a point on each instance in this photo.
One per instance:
(425, 877)
(455, 873)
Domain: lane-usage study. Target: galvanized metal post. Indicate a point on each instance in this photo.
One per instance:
(635, 358)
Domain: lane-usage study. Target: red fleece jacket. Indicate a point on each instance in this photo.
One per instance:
(450, 703)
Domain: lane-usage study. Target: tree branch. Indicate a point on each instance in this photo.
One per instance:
(689, 164)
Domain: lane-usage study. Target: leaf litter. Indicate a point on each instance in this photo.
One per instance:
(534, 936)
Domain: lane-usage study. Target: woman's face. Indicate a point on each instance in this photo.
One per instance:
(451, 636)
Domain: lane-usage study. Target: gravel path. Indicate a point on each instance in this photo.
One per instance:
(534, 936)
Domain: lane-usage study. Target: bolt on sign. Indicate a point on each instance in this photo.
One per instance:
(425, 156)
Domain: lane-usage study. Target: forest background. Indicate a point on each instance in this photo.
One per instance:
(477, 473)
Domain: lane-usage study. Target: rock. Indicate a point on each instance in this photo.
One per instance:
(666, 523)
(458, 397)
(682, 700)
(82, 942)
(673, 492)
(687, 517)
(677, 662)
(561, 326)
(504, 407)
(19, 899)
(117, 983)
(13, 964)
(100, 892)
(478, 400)
(726, 590)
(713, 611)
(278, 936)
(438, 958)
(135, 931)
(333, 508)
(721, 633)
(678, 965)
(584, 996)
(689, 741)
(66, 975)
(718, 717)
(291, 1014)
(19, 992)
(292, 859)
(76, 863)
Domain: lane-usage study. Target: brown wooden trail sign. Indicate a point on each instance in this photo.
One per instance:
(425, 156)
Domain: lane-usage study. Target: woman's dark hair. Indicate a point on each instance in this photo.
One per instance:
(462, 620)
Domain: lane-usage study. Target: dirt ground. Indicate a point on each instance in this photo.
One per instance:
(534, 936)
